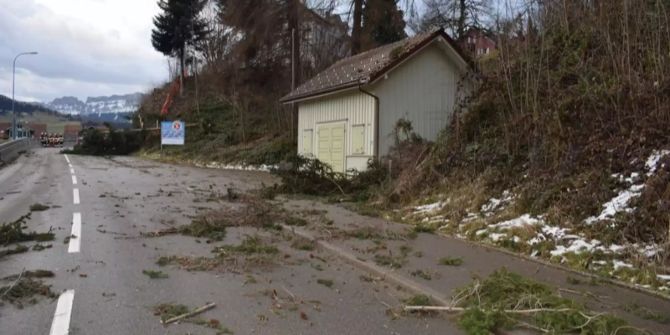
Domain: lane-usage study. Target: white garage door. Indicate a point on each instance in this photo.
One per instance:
(331, 145)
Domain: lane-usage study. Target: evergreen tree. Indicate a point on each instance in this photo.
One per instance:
(383, 23)
(177, 27)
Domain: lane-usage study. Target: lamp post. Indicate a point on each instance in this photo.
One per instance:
(13, 86)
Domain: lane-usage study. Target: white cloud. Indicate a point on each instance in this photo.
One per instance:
(86, 47)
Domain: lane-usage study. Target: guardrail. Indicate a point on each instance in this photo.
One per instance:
(10, 150)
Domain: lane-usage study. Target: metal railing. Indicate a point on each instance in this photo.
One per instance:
(10, 150)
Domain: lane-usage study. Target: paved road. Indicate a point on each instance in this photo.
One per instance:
(106, 204)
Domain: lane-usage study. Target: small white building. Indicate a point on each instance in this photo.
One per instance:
(347, 113)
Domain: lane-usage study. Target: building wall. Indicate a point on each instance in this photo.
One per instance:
(422, 90)
(354, 108)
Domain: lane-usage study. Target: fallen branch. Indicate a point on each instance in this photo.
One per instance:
(461, 309)
(159, 233)
(190, 314)
(13, 284)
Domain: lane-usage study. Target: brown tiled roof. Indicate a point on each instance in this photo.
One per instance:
(365, 67)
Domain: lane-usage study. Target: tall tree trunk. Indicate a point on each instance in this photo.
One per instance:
(462, 15)
(357, 28)
(182, 64)
(294, 31)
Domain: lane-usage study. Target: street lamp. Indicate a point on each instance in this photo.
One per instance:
(13, 80)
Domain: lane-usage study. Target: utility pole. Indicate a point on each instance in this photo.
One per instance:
(13, 87)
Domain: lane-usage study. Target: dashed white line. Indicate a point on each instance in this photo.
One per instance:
(74, 180)
(75, 196)
(61, 321)
(71, 170)
(67, 159)
(75, 236)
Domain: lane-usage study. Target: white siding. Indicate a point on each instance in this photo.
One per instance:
(422, 90)
(354, 108)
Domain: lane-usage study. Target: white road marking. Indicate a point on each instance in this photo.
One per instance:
(71, 170)
(75, 236)
(61, 322)
(74, 180)
(69, 165)
(67, 159)
(75, 196)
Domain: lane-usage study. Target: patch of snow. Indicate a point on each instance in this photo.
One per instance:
(652, 162)
(429, 208)
(577, 246)
(521, 221)
(495, 204)
(469, 217)
(617, 204)
(495, 237)
(649, 250)
(663, 277)
(619, 264)
(615, 248)
(241, 167)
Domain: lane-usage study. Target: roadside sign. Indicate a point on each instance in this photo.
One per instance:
(173, 132)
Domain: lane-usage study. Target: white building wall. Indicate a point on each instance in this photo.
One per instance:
(422, 90)
(352, 107)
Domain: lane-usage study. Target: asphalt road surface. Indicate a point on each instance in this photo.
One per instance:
(100, 210)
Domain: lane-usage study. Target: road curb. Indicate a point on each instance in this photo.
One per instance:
(387, 275)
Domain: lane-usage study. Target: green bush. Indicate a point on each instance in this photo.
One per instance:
(112, 142)
(313, 177)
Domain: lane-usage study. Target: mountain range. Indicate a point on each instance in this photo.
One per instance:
(114, 104)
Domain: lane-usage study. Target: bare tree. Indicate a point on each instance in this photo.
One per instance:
(457, 16)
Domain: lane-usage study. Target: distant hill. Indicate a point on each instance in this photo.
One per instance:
(103, 107)
(22, 107)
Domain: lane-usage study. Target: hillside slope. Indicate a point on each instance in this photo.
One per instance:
(563, 153)
(221, 128)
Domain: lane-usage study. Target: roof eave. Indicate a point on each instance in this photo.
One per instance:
(322, 93)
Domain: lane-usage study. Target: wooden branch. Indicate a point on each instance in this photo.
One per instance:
(13, 284)
(461, 309)
(190, 314)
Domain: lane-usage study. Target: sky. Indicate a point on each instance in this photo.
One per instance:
(86, 48)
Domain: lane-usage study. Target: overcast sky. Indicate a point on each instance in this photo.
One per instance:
(86, 48)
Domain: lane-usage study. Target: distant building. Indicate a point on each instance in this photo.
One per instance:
(5, 129)
(325, 39)
(478, 43)
(36, 129)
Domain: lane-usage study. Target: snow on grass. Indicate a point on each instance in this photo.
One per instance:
(620, 203)
(620, 264)
(495, 204)
(239, 167)
(429, 208)
(617, 204)
(663, 277)
(577, 246)
(521, 221)
(652, 162)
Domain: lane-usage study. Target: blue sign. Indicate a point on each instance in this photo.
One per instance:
(173, 132)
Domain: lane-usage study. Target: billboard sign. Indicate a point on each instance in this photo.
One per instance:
(173, 132)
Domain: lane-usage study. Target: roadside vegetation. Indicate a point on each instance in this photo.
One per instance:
(15, 232)
(24, 288)
(107, 142)
(505, 300)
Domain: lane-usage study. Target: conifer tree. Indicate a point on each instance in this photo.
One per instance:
(177, 27)
(383, 23)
